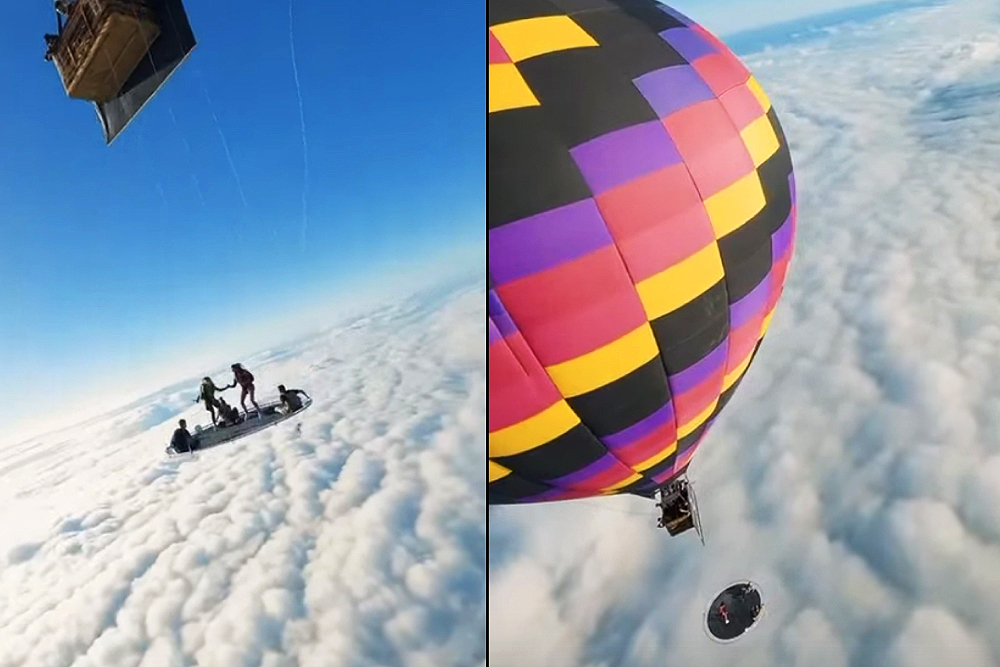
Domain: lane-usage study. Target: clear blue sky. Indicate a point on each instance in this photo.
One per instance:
(115, 261)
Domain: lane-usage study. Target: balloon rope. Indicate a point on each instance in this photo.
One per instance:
(302, 122)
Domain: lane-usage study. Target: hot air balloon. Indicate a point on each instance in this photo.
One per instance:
(641, 217)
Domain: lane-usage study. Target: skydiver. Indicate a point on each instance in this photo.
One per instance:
(683, 506)
(667, 511)
(244, 379)
(206, 394)
(51, 41)
(228, 413)
(182, 440)
(745, 593)
(290, 398)
(724, 613)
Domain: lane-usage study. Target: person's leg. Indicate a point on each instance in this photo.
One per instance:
(243, 398)
(252, 399)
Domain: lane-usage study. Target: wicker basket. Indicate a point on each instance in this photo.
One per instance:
(102, 43)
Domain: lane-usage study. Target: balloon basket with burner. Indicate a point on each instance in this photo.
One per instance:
(101, 45)
(679, 508)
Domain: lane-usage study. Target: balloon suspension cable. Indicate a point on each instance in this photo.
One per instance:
(173, 119)
(183, 137)
(302, 123)
(141, 138)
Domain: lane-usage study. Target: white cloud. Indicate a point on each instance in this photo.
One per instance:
(855, 473)
(99, 384)
(730, 16)
(933, 636)
(352, 535)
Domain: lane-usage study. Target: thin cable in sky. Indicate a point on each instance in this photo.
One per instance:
(225, 144)
(302, 121)
(148, 164)
(163, 198)
(190, 159)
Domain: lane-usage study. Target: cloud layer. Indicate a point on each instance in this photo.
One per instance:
(856, 474)
(352, 535)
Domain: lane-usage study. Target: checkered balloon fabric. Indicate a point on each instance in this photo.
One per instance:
(641, 220)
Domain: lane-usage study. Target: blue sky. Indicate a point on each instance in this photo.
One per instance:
(117, 261)
(186, 243)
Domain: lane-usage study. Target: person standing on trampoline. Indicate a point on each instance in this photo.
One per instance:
(244, 379)
(206, 394)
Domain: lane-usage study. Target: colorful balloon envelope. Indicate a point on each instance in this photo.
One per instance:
(641, 212)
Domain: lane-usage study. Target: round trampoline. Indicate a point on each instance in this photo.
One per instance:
(733, 612)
